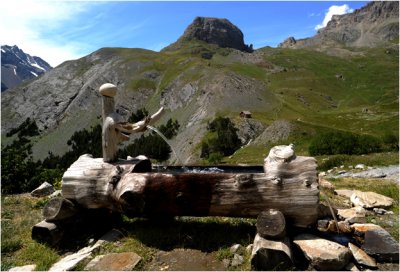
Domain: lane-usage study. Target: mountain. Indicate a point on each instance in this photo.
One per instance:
(17, 66)
(368, 26)
(214, 31)
(291, 94)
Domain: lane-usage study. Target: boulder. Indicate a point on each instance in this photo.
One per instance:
(326, 184)
(344, 192)
(370, 200)
(323, 254)
(361, 257)
(45, 189)
(379, 244)
(125, 261)
(353, 215)
(361, 229)
(360, 166)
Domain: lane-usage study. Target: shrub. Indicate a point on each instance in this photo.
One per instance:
(215, 158)
(332, 143)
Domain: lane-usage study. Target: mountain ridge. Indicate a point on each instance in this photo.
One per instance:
(17, 66)
(368, 26)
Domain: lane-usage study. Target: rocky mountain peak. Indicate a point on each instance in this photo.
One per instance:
(216, 31)
(17, 66)
(368, 26)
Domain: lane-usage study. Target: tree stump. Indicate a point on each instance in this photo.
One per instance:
(47, 232)
(58, 209)
(271, 224)
(271, 255)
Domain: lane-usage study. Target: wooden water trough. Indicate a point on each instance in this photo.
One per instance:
(288, 184)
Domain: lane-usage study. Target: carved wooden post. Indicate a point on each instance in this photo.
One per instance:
(115, 129)
(110, 136)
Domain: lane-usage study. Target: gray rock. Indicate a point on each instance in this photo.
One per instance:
(326, 184)
(45, 189)
(351, 215)
(370, 200)
(288, 43)
(215, 31)
(323, 254)
(361, 229)
(55, 194)
(237, 260)
(379, 244)
(361, 257)
(71, 261)
(125, 261)
(380, 211)
(344, 192)
(359, 166)
(234, 248)
(365, 27)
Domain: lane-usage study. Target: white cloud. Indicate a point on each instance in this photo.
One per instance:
(334, 10)
(25, 22)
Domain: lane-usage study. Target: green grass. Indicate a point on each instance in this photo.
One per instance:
(145, 237)
(375, 159)
(19, 213)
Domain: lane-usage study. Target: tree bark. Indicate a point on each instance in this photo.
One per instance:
(271, 224)
(93, 183)
(47, 232)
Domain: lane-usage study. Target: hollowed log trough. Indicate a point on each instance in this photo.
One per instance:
(289, 184)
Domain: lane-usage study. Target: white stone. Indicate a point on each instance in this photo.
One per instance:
(234, 248)
(45, 189)
(344, 192)
(71, 261)
(370, 200)
(359, 166)
(323, 254)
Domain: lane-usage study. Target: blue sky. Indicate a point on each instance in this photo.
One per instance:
(62, 30)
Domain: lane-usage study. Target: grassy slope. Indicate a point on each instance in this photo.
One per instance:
(315, 100)
(301, 86)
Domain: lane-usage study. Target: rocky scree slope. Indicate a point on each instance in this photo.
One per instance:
(368, 26)
(17, 66)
